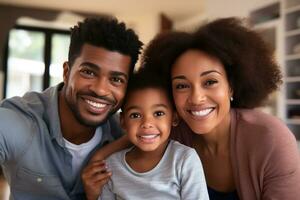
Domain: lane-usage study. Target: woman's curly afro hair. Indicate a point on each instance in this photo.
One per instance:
(249, 62)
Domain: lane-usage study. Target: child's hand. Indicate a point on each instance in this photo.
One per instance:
(94, 176)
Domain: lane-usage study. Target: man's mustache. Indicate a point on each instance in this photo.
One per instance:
(105, 98)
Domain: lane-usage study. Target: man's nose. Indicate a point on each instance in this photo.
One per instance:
(101, 86)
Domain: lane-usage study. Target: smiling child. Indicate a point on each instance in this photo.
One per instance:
(155, 167)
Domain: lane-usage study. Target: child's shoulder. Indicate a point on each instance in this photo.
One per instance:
(181, 150)
(118, 156)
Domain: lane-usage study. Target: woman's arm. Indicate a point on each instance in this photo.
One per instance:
(282, 173)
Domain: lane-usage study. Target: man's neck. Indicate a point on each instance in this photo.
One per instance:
(71, 129)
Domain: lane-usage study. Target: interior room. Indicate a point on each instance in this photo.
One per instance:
(34, 38)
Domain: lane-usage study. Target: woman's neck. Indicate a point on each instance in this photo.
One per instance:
(217, 141)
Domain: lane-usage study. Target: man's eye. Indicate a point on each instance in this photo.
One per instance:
(88, 72)
(134, 115)
(159, 113)
(117, 80)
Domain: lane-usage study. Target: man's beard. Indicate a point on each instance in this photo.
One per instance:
(88, 123)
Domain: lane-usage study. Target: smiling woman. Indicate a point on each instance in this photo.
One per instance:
(218, 75)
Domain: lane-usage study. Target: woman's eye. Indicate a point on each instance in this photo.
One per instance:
(180, 86)
(210, 82)
(134, 115)
(159, 113)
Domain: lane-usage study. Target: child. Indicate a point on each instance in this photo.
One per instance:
(155, 167)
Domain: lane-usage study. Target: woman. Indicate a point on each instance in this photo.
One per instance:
(218, 75)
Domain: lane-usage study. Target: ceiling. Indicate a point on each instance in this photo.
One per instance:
(175, 9)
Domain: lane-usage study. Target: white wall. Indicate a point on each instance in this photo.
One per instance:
(225, 8)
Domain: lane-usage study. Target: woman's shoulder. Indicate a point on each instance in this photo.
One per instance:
(253, 128)
(254, 121)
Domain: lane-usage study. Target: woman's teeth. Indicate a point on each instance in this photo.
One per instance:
(202, 113)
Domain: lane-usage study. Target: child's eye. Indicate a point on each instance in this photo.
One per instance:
(134, 115)
(210, 82)
(159, 113)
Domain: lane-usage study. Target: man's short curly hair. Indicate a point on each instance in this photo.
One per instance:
(249, 62)
(104, 32)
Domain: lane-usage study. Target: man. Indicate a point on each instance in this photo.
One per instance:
(47, 138)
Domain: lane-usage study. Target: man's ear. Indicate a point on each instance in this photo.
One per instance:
(66, 71)
(175, 119)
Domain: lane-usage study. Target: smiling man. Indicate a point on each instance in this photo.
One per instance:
(47, 138)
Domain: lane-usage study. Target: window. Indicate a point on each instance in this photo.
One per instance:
(34, 59)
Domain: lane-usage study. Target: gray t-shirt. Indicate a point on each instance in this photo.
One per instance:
(178, 175)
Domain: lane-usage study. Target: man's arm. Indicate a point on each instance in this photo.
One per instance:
(96, 174)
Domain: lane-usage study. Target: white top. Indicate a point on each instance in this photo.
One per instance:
(80, 152)
(178, 175)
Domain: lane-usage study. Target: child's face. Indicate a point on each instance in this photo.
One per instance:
(147, 118)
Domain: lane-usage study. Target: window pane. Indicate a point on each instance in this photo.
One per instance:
(25, 62)
(59, 54)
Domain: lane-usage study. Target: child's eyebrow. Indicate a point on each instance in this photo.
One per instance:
(131, 108)
(160, 105)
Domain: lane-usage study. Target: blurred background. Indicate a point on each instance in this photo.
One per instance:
(34, 38)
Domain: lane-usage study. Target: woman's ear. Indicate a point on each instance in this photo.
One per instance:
(175, 119)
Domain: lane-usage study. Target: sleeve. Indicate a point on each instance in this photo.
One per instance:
(15, 134)
(193, 184)
(282, 171)
(107, 193)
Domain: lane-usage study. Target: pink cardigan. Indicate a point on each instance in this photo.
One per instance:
(264, 156)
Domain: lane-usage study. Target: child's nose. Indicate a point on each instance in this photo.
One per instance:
(147, 123)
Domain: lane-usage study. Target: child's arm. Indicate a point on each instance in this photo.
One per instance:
(95, 174)
(193, 185)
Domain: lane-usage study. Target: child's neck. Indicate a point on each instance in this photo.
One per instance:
(143, 161)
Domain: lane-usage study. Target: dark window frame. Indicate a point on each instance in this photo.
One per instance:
(48, 32)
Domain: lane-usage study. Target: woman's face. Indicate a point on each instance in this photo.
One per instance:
(201, 91)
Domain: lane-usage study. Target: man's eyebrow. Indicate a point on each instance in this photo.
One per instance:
(118, 73)
(91, 65)
(96, 67)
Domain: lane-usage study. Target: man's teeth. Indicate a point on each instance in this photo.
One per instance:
(202, 113)
(148, 136)
(94, 104)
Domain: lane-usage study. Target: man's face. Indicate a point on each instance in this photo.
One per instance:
(96, 83)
